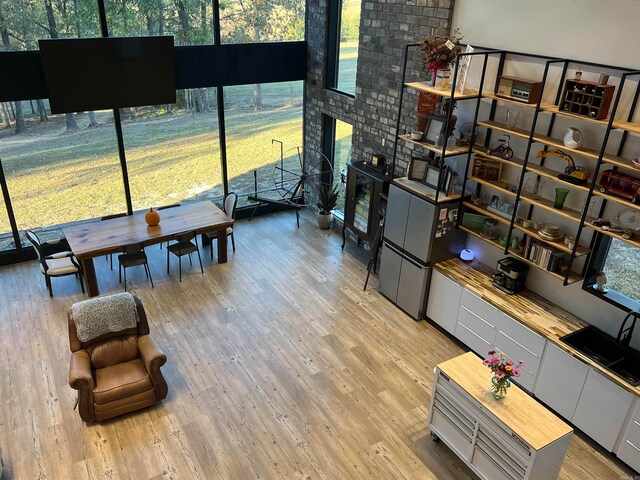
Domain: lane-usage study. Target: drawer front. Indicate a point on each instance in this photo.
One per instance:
(629, 453)
(633, 433)
(515, 351)
(481, 308)
(479, 325)
(522, 335)
(472, 339)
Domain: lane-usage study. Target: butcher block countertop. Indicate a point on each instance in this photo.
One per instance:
(518, 411)
(543, 317)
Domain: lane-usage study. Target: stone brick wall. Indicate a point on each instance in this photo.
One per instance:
(385, 28)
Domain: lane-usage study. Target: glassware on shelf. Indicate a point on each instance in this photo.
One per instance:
(561, 196)
(451, 142)
(489, 230)
(439, 140)
(539, 187)
(511, 119)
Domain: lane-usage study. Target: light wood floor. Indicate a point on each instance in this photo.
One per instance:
(280, 366)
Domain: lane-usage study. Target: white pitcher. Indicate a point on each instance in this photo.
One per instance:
(573, 138)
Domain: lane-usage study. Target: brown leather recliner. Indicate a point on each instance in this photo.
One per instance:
(116, 373)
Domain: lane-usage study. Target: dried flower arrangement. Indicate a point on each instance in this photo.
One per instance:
(439, 51)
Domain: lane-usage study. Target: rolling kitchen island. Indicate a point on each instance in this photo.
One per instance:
(509, 439)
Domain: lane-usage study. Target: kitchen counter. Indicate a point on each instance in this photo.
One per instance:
(533, 311)
(531, 421)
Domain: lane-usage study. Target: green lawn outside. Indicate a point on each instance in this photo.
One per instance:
(57, 177)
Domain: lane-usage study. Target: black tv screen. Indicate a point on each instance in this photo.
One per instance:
(106, 73)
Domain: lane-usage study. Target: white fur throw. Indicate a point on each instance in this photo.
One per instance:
(98, 316)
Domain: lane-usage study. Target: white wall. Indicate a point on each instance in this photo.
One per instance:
(601, 31)
(589, 30)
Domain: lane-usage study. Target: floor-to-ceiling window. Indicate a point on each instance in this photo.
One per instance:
(67, 168)
(253, 21)
(342, 46)
(58, 174)
(251, 124)
(173, 151)
(341, 156)
(191, 23)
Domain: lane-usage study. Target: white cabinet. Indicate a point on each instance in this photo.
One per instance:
(629, 449)
(477, 321)
(602, 409)
(560, 381)
(444, 301)
(518, 342)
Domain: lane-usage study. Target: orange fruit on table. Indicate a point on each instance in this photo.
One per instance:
(152, 217)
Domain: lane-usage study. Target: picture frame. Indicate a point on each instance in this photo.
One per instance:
(417, 168)
(433, 129)
(432, 177)
(463, 70)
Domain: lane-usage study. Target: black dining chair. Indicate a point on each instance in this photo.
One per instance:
(229, 206)
(165, 207)
(109, 257)
(186, 244)
(133, 255)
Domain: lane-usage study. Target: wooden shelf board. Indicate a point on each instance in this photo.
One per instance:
(459, 150)
(501, 127)
(618, 200)
(553, 175)
(421, 189)
(426, 87)
(493, 96)
(548, 107)
(502, 186)
(548, 205)
(573, 277)
(529, 231)
(632, 242)
(513, 161)
(553, 142)
(475, 232)
(628, 126)
(487, 213)
(620, 162)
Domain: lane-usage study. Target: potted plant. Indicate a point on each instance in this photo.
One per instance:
(438, 52)
(327, 202)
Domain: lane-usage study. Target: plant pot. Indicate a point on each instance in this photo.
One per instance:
(443, 78)
(324, 221)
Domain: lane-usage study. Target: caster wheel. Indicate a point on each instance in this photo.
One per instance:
(435, 437)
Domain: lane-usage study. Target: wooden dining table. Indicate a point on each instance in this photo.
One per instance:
(96, 239)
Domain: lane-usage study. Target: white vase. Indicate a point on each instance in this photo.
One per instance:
(443, 78)
(324, 221)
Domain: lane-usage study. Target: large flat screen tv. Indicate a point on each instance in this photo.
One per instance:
(106, 73)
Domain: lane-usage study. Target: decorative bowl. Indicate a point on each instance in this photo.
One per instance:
(636, 162)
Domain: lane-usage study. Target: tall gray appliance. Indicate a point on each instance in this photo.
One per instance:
(417, 233)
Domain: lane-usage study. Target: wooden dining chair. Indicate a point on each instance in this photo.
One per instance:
(58, 264)
(186, 244)
(229, 206)
(133, 255)
(109, 257)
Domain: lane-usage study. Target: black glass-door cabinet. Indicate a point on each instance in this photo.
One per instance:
(362, 202)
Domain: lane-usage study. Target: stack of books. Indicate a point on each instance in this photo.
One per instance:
(361, 217)
(543, 255)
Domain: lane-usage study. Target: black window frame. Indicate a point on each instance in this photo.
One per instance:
(597, 260)
(280, 61)
(334, 27)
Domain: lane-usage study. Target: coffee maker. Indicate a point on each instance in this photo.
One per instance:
(510, 275)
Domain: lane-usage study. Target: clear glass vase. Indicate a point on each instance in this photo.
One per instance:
(499, 387)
